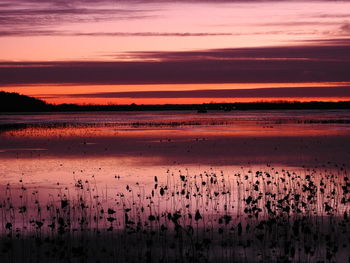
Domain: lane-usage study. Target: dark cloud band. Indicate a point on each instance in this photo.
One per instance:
(311, 63)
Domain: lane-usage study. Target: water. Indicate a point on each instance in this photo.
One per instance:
(51, 151)
(129, 117)
(58, 147)
(133, 176)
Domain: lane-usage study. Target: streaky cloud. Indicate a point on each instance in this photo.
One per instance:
(25, 14)
(327, 60)
(29, 32)
(336, 49)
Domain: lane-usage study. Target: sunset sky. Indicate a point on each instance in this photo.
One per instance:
(159, 51)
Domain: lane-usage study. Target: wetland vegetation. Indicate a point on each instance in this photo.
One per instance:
(270, 215)
(242, 186)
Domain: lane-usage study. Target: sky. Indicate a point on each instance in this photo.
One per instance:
(186, 51)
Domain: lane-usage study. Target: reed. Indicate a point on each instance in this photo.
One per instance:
(267, 215)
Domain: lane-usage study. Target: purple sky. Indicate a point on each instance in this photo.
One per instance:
(50, 43)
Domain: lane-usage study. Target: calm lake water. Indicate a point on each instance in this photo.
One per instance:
(221, 178)
(114, 149)
(46, 149)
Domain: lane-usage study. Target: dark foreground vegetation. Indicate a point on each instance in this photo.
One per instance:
(248, 216)
(14, 102)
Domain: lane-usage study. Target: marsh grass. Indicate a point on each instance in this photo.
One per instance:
(265, 215)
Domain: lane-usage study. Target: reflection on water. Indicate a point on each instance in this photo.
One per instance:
(241, 184)
(175, 116)
(46, 149)
(254, 212)
(54, 151)
(51, 147)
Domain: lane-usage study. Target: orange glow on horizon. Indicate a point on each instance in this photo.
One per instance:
(52, 88)
(58, 94)
(158, 101)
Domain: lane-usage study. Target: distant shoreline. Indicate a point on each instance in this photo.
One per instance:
(203, 108)
(199, 108)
